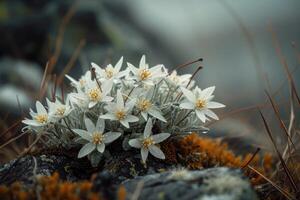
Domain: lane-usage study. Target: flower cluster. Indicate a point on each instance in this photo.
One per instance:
(140, 106)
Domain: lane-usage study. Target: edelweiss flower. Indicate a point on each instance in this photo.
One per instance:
(96, 93)
(57, 110)
(145, 74)
(145, 106)
(120, 112)
(40, 118)
(178, 80)
(82, 82)
(110, 72)
(148, 141)
(200, 101)
(95, 136)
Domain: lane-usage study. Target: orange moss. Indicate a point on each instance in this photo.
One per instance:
(50, 188)
(121, 193)
(195, 152)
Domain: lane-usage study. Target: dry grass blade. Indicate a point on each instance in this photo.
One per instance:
(11, 127)
(71, 62)
(43, 83)
(13, 139)
(30, 147)
(283, 61)
(283, 126)
(252, 157)
(60, 36)
(286, 169)
(54, 88)
(188, 63)
(282, 191)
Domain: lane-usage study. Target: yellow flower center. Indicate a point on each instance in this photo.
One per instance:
(120, 114)
(147, 142)
(145, 74)
(95, 94)
(109, 72)
(98, 138)
(144, 105)
(200, 103)
(60, 111)
(42, 119)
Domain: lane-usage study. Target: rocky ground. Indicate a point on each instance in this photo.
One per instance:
(157, 180)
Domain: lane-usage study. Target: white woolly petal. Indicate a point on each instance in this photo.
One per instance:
(157, 114)
(144, 115)
(111, 136)
(108, 116)
(136, 143)
(131, 118)
(89, 125)
(156, 152)
(86, 149)
(211, 114)
(213, 104)
(160, 137)
(119, 64)
(120, 101)
(92, 104)
(132, 68)
(107, 99)
(32, 122)
(188, 94)
(129, 106)
(100, 126)
(187, 105)
(201, 115)
(84, 134)
(106, 87)
(148, 128)
(40, 108)
(124, 123)
(142, 62)
(144, 154)
(101, 147)
(207, 92)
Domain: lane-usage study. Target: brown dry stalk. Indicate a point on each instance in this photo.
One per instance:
(286, 169)
(282, 191)
(13, 139)
(71, 62)
(283, 60)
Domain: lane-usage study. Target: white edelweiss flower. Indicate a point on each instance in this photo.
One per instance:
(200, 101)
(95, 136)
(57, 110)
(96, 93)
(79, 99)
(145, 106)
(40, 118)
(82, 82)
(178, 80)
(148, 141)
(111, 72)
(120, 111)
(146, 75)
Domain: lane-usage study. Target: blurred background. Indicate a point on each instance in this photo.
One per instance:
(243, 44)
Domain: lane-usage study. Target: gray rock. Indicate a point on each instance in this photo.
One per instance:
(208, 184)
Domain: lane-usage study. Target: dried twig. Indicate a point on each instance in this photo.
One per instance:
(282, 191)
(286, 169)
(71, 62)
(13, 139)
